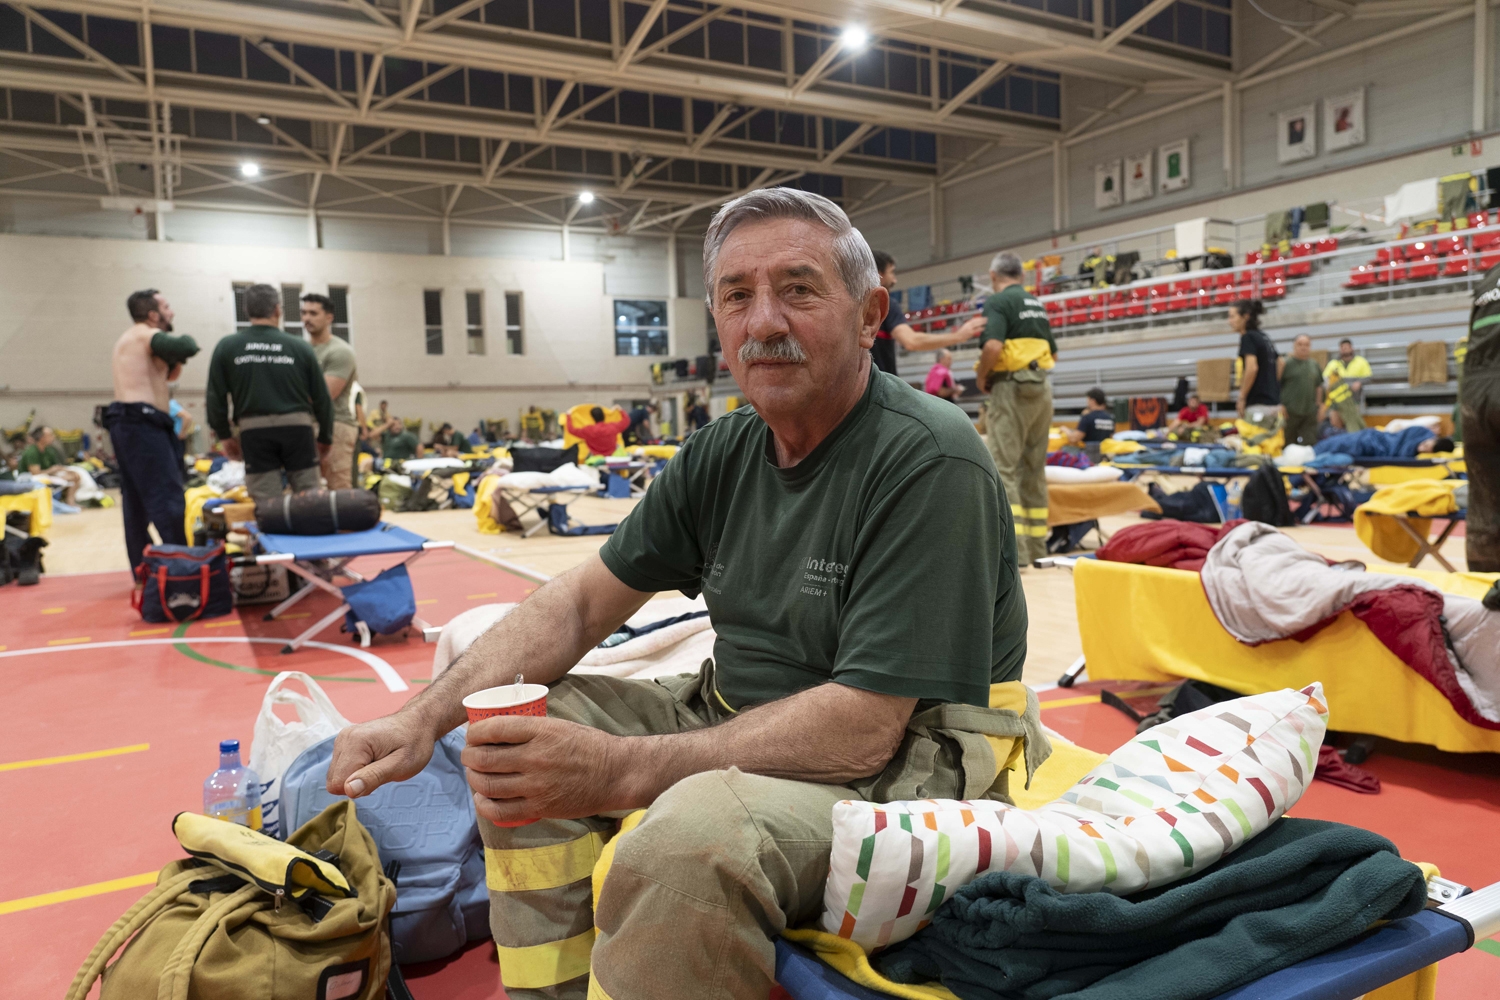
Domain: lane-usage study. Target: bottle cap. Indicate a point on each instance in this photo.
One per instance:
(229, 746)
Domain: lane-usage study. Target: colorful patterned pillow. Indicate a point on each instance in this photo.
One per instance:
(1170, 802)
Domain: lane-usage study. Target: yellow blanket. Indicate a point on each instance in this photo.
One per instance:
(1383, 535)
(1149, 623)
(37, 503)
(1110, 446)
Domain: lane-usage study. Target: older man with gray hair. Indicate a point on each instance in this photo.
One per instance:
(1016, 353)
(807, 520)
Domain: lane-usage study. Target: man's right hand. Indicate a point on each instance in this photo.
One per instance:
(972, 327)
(370, 754)
(231, 449)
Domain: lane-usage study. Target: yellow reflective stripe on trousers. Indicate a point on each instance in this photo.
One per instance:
(526, 869)
(1035, 513)
(596, 992)
(1016, 510)
(1032, 530)
(546, 964)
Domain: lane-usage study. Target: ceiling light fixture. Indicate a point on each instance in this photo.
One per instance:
(262, 119)
(854, 37)
(249, 169)
(586, 198)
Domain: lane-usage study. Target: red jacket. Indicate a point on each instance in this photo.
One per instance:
(602, 438)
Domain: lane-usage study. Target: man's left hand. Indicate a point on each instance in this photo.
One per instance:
(323, 450)
(524, 768)
(973, 327)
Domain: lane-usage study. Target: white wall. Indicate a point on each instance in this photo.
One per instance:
(1418, 97)
(65, 307)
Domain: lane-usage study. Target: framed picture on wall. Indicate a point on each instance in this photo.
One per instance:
(1297, 133)
(1138, 183)
(1344, 120)
(1174, 172)
(1107, 184)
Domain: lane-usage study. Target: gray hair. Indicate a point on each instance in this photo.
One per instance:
(852, 257)
(261, 301)
(1008, 264)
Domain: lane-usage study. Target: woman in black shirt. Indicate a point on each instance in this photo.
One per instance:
(1259, 383)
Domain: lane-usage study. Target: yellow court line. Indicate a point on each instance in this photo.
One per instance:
(53, 611)
(69, 642)
(430, 600)
(17, 765)
(3, 648)
(222, 624)
(80, 892)
(150, 631)
(300, 614)
(475, 597)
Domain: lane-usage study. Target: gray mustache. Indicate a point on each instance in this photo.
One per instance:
(785, 349)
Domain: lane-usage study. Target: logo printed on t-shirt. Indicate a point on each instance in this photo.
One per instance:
(713, 568)
(819, 576)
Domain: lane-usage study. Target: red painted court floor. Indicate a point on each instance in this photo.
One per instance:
(103, 745)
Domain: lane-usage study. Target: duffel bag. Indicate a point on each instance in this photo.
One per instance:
(319, 512)
(178, 583)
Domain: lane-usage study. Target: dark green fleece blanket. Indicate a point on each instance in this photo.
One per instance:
(1300, 888)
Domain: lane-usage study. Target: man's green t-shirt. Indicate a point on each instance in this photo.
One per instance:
(336, 358)
(885, 560)
(458, 441)
(266, 372)
(1299, 385)
(1018, 318)
(45, 458)
(398, 447)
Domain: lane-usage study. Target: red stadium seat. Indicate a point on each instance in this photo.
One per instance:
(1223, 288)
(1300, 268)
(1422, 263)
(1156, 299)
(1328, 244)
(1136, 307)
(1273, 289)
(1114, 307)
(1364, 276)
(1095, 307)
(1488, 259)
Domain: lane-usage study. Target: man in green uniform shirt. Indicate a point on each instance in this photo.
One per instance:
(808, 521)
(398, 443)
(1016, 353)
(1301, 393)
(272, 384)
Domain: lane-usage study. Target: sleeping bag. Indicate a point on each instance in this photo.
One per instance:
(319, 512)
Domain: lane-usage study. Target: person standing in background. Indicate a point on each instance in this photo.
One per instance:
(1479, 400)
(282, 416)
(336, 359)
(940, 377)
(146, 359)
(1346, 375)
(1260, 389)
(639, 431)
(1301, 393)
(1016, 353)
(895, 330)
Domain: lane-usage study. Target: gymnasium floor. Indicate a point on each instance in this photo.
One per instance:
(112, 724)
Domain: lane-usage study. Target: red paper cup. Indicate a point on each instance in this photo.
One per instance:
(530, 699)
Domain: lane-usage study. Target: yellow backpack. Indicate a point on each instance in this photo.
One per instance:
(250, 916)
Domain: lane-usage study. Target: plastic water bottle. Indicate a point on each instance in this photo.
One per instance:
(232, 793)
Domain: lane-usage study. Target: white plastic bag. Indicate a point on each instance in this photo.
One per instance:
(277, 743)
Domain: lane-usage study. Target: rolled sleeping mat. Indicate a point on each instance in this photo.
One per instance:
(319, 512)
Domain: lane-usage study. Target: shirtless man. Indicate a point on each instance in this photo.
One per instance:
(140, 427)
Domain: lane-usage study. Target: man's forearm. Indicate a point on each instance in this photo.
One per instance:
(543, 638)
(829, 734)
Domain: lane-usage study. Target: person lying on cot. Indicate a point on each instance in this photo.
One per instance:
(1372, 442)
(805, 520)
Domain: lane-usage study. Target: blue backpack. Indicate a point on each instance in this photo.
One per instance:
(426, 824)
(385, 604)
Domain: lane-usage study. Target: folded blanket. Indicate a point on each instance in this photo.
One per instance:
(1302, 887)
(1263, 586)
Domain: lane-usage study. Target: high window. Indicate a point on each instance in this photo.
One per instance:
(640, 326)
(432, 313)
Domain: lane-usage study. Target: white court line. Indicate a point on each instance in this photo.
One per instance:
(383, 670)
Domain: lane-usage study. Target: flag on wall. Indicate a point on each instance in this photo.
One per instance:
(1107, 184)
